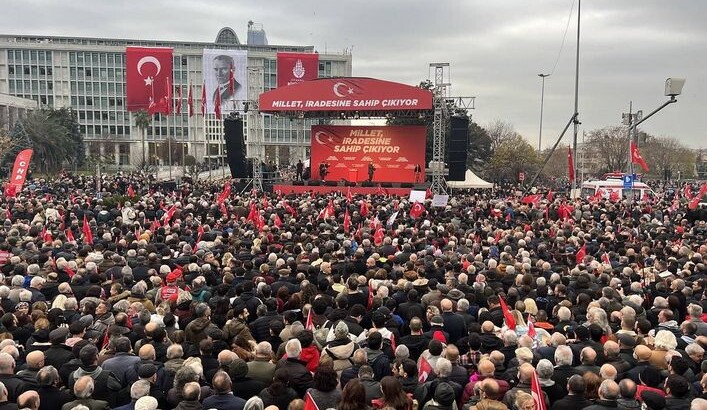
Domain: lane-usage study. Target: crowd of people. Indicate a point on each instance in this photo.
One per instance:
(207, 298)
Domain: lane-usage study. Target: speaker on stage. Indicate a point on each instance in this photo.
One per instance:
(367, 184)
(458, 148)
(314, 182)
(299, 183)
(330, 183)
(235, 147)
(406, 185)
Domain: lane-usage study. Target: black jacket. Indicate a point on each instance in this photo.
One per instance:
(52, 398)
(455, 325)
(57, 355)
(15, 386)
(571, 402)
(416, 344)
(260, 328)
(300, 377)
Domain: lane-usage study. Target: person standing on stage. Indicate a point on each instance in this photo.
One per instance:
(323, 170)
(371, 171)
(300, 170)
(418, 172)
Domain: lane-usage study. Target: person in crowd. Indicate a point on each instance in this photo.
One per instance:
(279, 393)
(325, 392)
(393, 395)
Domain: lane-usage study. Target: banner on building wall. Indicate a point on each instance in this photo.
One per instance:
(226, 78)
(294, 68)
(148, 79)
(394, 152)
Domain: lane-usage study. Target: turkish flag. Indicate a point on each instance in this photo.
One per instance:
(217, 106)
(190, 100)
(378, 236)
(131, 191)
(277, 222)
(349, 197)
(225, 193)
(203, 99)
(697, 198)
(614, 196)
(293, 68)
(347, 221)
(531, 199)
(687, 191)
(424, 371)
(605, 258)
(581, 253)
(309, 403)
(636, 157)
(531, 328)
(87, 234)
(364, 209)
(309, 324)
(290, 210)
(570, 164)
(550, 196)
(146, 72)
(537, 392)
(178, 106)
(510, 320)
(417, 210)
(69, 235)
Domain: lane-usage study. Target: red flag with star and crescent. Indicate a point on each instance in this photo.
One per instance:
(570, 164)
(277, 221)
(507, 316)
(146, 72)
(364, 209)
(87, 234)
(636, 157)
(190, 100)
(417, 210)
(347, 221)
(203, 99)
(537, 393)
(217, 106)
(581, 253)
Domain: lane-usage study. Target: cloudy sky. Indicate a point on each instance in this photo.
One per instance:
(496, 48)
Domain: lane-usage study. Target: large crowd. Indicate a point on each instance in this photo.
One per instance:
(203, 297)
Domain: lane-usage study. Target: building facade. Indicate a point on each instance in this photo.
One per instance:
(88, 75)
(12, 109)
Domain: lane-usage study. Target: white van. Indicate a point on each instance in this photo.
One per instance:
(592, 187)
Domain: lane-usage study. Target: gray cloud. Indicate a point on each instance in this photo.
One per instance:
(496, 48)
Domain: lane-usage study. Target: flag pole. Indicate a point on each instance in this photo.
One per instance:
(169, 147)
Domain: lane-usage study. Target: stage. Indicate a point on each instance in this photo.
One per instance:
(355, 190)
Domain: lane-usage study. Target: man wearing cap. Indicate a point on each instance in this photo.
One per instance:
(58, 353)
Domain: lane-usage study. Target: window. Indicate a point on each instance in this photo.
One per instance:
(26, 70)
(50, 71)
(88, 72)
(42, 71)
(43, 100)
(11, 70)
(89, 101)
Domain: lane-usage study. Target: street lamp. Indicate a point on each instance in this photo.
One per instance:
(542, 104)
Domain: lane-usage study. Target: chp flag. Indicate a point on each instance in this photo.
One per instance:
(294, 68)
(19, 173)
(226, 79)
(148, 74)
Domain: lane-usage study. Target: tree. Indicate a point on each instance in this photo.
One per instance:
(142, 121)
(480, 151)
(67, 118)
(512, 156)
(500, 132)
(608, 148)
(666, 156)
(52, 136)
(557, 165)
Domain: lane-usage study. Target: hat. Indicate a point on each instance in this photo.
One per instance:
(86, 320)
(437, 320)
(75, 328)
(341, 330)
(455, 294)
(21, 305)
(174, 275)
(420, 283)
(627, 340)
(58, 334)
(238, 368)
(385, 311)
(444, 394)
(146, 370)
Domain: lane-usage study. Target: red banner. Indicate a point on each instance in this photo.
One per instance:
(19, 173)
(346, 94)
(349, 151)
(294, 68)
(148, 74)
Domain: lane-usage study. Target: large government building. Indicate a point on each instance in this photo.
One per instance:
(88, 75)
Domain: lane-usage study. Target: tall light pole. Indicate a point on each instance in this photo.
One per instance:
(542, 105)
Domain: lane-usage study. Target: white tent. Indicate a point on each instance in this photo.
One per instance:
(471, 180)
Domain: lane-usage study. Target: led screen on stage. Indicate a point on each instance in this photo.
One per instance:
(394, 151)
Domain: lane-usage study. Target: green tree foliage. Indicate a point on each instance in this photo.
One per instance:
(53, 135)
(512, 156)
(142, 121)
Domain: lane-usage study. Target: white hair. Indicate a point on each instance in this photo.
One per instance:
(443, 367)
(293, 348)
(665, 340)
(563, 355)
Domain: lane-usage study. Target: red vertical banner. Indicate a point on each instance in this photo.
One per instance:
(352, 152)
(19, 173)
(570, 164)
(148, 71)
(293, 68)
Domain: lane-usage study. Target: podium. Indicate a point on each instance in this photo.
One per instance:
(353, 175)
